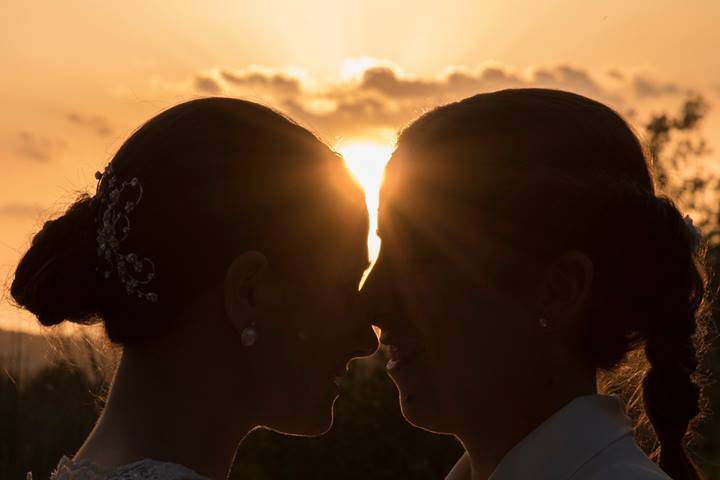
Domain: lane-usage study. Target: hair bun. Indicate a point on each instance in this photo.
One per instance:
(56, 278)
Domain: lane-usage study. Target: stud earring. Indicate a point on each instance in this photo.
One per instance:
(543, 322)
(249, 335)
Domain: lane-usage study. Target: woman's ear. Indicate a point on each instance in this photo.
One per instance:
(566, 288)
(242, 280)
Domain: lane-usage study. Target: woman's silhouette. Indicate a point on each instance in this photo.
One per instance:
(525, 249)
(223, 251)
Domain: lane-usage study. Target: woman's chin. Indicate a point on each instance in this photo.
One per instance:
(418, 410)
(324, 419)
(313, 422)
(315, 428)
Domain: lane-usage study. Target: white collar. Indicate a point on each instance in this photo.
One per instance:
(567, 440)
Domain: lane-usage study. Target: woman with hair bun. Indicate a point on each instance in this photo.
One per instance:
(223, 251)
(525, 250)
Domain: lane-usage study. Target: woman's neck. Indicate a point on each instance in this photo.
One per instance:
(486, 443)
(167, 409)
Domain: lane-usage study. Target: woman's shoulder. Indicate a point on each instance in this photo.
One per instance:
(146, 469)
(622, 471)
(622, 460)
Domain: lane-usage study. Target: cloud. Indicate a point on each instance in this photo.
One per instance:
(645, 87)
(22, 210)
(566, 77)
(616, 74)
(248, 81)
(263, 79)
(384, 98)
(353, 116)
(461, 82)
(35, 147)
(96, 123)
(206, 84)
(386, 81)
(378, 96)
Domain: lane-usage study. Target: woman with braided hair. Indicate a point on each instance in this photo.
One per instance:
(525, 250)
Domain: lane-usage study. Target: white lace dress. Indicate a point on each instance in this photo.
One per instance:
(142, 470)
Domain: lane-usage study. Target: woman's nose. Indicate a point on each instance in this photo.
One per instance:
(368, 342)
(377, 299)
(371, 292)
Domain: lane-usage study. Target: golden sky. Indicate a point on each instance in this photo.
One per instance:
(79, 76)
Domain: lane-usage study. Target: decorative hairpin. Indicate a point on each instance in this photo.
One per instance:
(695, 234)
(114, 227)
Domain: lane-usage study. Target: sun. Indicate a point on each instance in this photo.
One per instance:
(366, 161)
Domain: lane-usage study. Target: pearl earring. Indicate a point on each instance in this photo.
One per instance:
(249, 335)
(543, 322)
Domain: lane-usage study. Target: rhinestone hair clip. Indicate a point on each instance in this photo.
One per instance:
(117, 200)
